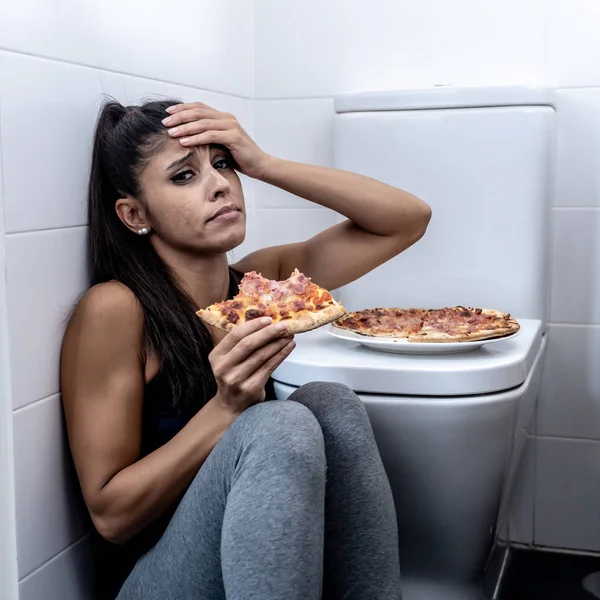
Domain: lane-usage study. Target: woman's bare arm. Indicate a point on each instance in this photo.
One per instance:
(382, 221)
(102, 372)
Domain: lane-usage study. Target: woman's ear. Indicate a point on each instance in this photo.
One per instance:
(132, 214)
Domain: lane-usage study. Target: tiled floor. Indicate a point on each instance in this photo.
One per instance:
(549, 576)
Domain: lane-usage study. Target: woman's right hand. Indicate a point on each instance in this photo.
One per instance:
(244, 359)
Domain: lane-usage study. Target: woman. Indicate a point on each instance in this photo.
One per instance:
(181, 463)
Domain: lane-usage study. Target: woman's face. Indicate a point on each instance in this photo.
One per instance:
(193, 198)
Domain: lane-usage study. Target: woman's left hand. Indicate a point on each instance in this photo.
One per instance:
(196, 124)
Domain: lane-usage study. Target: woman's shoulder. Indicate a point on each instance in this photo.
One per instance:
(110, 306)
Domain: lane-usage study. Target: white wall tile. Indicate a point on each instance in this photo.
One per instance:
(195, 42)
(287, 225)
(50, 512)
(298, 130)
(315, 48)
(573, 45)
(578, 146)
(568, 494)
(48, 115)
(575, 278)
(569, 404)
(67, 576)
(46, 271)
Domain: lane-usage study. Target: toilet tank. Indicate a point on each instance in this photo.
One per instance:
(481, 158)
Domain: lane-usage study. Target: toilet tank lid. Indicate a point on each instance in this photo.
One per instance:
(439, 97)
(494, 368)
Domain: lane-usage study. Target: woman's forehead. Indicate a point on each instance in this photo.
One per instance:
(173, 151)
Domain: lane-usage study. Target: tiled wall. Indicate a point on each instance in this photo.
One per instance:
(306, 52)
(56, 62)
(300, 130)
(567, 501)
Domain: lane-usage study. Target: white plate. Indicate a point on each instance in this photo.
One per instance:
(403, 346)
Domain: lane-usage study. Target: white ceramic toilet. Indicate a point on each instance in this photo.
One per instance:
(451, 429)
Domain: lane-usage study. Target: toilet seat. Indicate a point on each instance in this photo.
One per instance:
(494, 368)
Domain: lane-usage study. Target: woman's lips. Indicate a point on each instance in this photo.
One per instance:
(227, 213)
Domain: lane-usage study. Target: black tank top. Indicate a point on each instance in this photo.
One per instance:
(161, 421)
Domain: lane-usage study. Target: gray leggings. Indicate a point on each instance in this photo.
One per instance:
(292, 504)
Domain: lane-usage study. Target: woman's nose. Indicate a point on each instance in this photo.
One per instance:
(219, 186)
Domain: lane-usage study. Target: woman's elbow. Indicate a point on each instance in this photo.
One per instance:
(111, 529)
(424, 218)
(419, 222)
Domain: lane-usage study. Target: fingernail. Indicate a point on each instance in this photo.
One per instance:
(291, 345)
(280, 327)
(266, 320)
(173, 131)
(171, 109)
(167, 120)
(184, 141)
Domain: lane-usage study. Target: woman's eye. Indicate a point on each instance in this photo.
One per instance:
(182, 177)
(222, 163)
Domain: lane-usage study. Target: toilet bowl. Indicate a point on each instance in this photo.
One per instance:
(448, 450)
(451, 429)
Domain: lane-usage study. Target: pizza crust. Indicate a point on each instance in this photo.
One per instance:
(213, 316)
(397, 335)
(441, 337)
(307, 320)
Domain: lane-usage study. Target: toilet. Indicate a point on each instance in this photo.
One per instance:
(451, 428)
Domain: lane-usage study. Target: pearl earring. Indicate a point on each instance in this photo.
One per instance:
(143, 231)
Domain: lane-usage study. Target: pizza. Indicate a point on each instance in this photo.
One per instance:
(452, 324)
(383, 322)
(298, 301)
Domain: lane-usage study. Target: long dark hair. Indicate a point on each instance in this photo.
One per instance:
(124, 141)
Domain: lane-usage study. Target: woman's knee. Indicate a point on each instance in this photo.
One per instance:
(340, 412)
(288, 430)
(324, 398)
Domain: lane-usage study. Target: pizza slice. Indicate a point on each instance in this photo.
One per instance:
(299, 302)
(383, 322)
(460, 324)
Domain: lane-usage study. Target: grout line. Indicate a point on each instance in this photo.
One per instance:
(334, 94)
(30, 231)
(55, 557)
(567, 438)
(126, 73)
(576, 208)
(591, 86)
(561, 324)
(551, 550)
(297, 98)
(34, 402)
